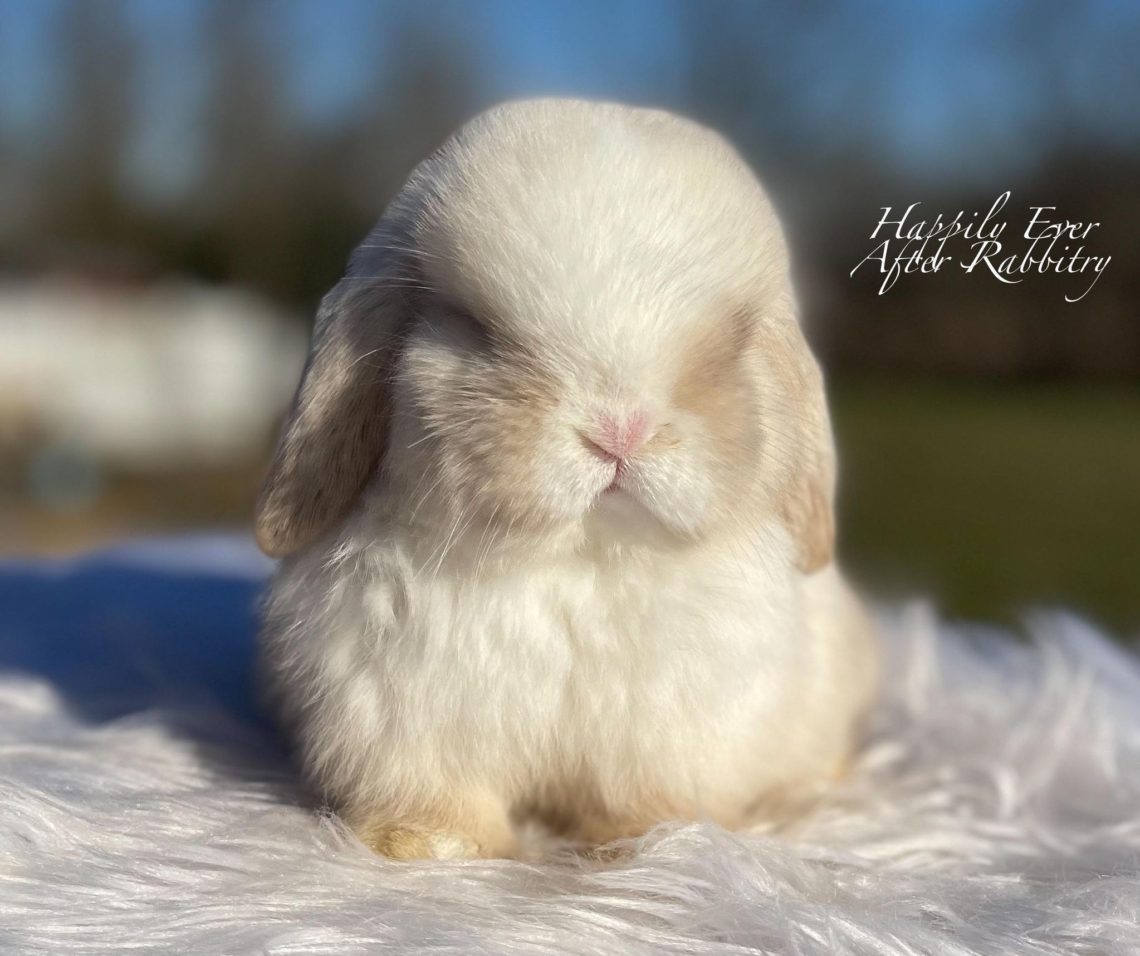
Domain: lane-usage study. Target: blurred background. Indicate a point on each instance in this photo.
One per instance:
(179, 182)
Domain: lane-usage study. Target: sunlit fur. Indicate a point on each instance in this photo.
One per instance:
(489, 630)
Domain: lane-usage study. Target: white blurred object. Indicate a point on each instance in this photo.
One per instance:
(144, 378)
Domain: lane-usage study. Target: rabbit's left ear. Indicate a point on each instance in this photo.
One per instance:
(334, 437)
(805, 496)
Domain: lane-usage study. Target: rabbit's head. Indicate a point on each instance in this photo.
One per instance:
(574, 326)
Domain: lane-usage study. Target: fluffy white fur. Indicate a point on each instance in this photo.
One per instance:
(995, 810)
(562, 678)
(486, 629)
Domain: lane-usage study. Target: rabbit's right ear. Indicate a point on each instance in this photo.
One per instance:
(806, 496)
(333, 439)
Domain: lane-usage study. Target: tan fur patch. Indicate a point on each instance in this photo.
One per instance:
(805, 511)
(488, 431)
(402, 844)
(476, 828)
(333, 438)
(714, 384)
(757, 387)
(805, 500)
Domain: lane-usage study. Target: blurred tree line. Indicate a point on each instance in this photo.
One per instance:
(277, 203)
(273, 203)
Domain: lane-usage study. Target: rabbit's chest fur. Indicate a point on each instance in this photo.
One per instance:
(672, 678)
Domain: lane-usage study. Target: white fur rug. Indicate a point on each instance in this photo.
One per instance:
(144, 808)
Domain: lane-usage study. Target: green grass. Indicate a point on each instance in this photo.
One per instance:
(995, 498)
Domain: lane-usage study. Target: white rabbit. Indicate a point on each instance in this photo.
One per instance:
(555, 500)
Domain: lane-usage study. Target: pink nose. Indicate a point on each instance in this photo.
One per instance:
(619, 438)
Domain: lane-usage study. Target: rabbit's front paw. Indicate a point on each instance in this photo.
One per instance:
(464, 832)
(408, 843)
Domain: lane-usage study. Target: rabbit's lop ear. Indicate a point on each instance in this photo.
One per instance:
(333, 439)
(805, 496)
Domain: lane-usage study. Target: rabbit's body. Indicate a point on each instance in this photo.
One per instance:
(557, 494)
(607, 696)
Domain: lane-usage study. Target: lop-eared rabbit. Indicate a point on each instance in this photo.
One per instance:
(555, 501)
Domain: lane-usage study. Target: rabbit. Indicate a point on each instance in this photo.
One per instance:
(554, 502)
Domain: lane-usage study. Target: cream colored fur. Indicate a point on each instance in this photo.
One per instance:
(468, 627)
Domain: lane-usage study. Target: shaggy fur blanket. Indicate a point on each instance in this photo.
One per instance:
(145, 807)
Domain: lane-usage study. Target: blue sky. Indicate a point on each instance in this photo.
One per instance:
(933, 85)
(587, 46)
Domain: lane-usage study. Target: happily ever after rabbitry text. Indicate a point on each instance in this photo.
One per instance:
(907, 242)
